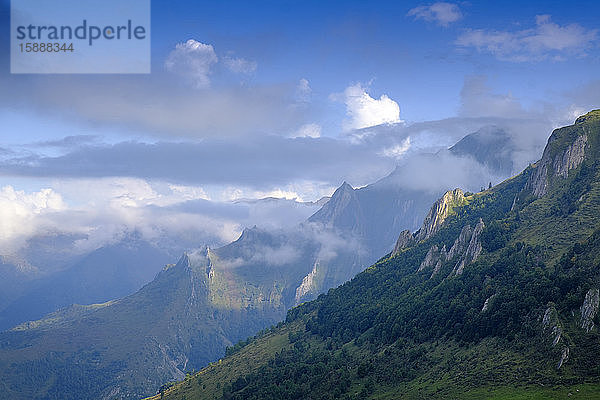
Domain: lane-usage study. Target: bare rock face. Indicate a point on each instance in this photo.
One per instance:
(473, 250)
(571, 158)
(487, 302)
(552, 326)
(557, 160)
(439, 212)
(466, 249)
(461, 242)
(589, 309)
(434, 256)
(404, 240)
(308, 284)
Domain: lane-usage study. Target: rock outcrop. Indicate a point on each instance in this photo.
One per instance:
(552, 326)
(473, 249)
(461, 242)
(466, 249)
(434, 257)
(405, 240)
(589, 309)
(439, 212)
(308, 284)
(562, 154)
(487, 302)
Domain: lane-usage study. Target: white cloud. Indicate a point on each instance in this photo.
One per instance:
(441, 13)
(308, 130)
(364, 111)
(303, 91)
(192, 60)
(397, 150)
(546, 40)
(101, 211)
(240, 65)
(24, 214)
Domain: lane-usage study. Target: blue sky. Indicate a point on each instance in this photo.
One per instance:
(288, 99)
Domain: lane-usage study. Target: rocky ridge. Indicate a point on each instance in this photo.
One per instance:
(560, 156)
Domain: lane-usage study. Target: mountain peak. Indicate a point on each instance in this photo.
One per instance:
(439, 212)
(345, 186)
(592, 115)
(341, 210)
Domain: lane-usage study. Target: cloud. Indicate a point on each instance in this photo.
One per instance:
(397, 150)
(441, 13)
(213, 162)
(68, 141)
(155, 106)
(364, 111)
(240, 65)
(89, 213)
(303, 91)
(193, 60)
(308, 130)
(547, 40)
(478, 100)
(25, 214)
(442, 171)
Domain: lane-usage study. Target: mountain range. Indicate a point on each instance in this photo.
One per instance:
(208, 300)
(496, 295)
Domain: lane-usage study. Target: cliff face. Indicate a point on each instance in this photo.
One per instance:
(589, 309)
(405, 239)
(565, 151)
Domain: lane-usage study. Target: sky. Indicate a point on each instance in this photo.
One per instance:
(283, 99)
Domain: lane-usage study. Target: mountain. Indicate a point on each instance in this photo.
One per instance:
(495, 296)
(15, 275)
(491, 146)
(106, 350)
(110, 272)
(211, 299)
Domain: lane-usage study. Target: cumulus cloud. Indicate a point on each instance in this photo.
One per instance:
(25, 214)
(547, 40)
(240, 65)
(193, 60)
(441, 13)
(364, 111)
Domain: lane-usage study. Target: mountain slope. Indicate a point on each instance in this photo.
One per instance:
(107, 273)
(169, 326)
(501, 300)
(237, 290)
